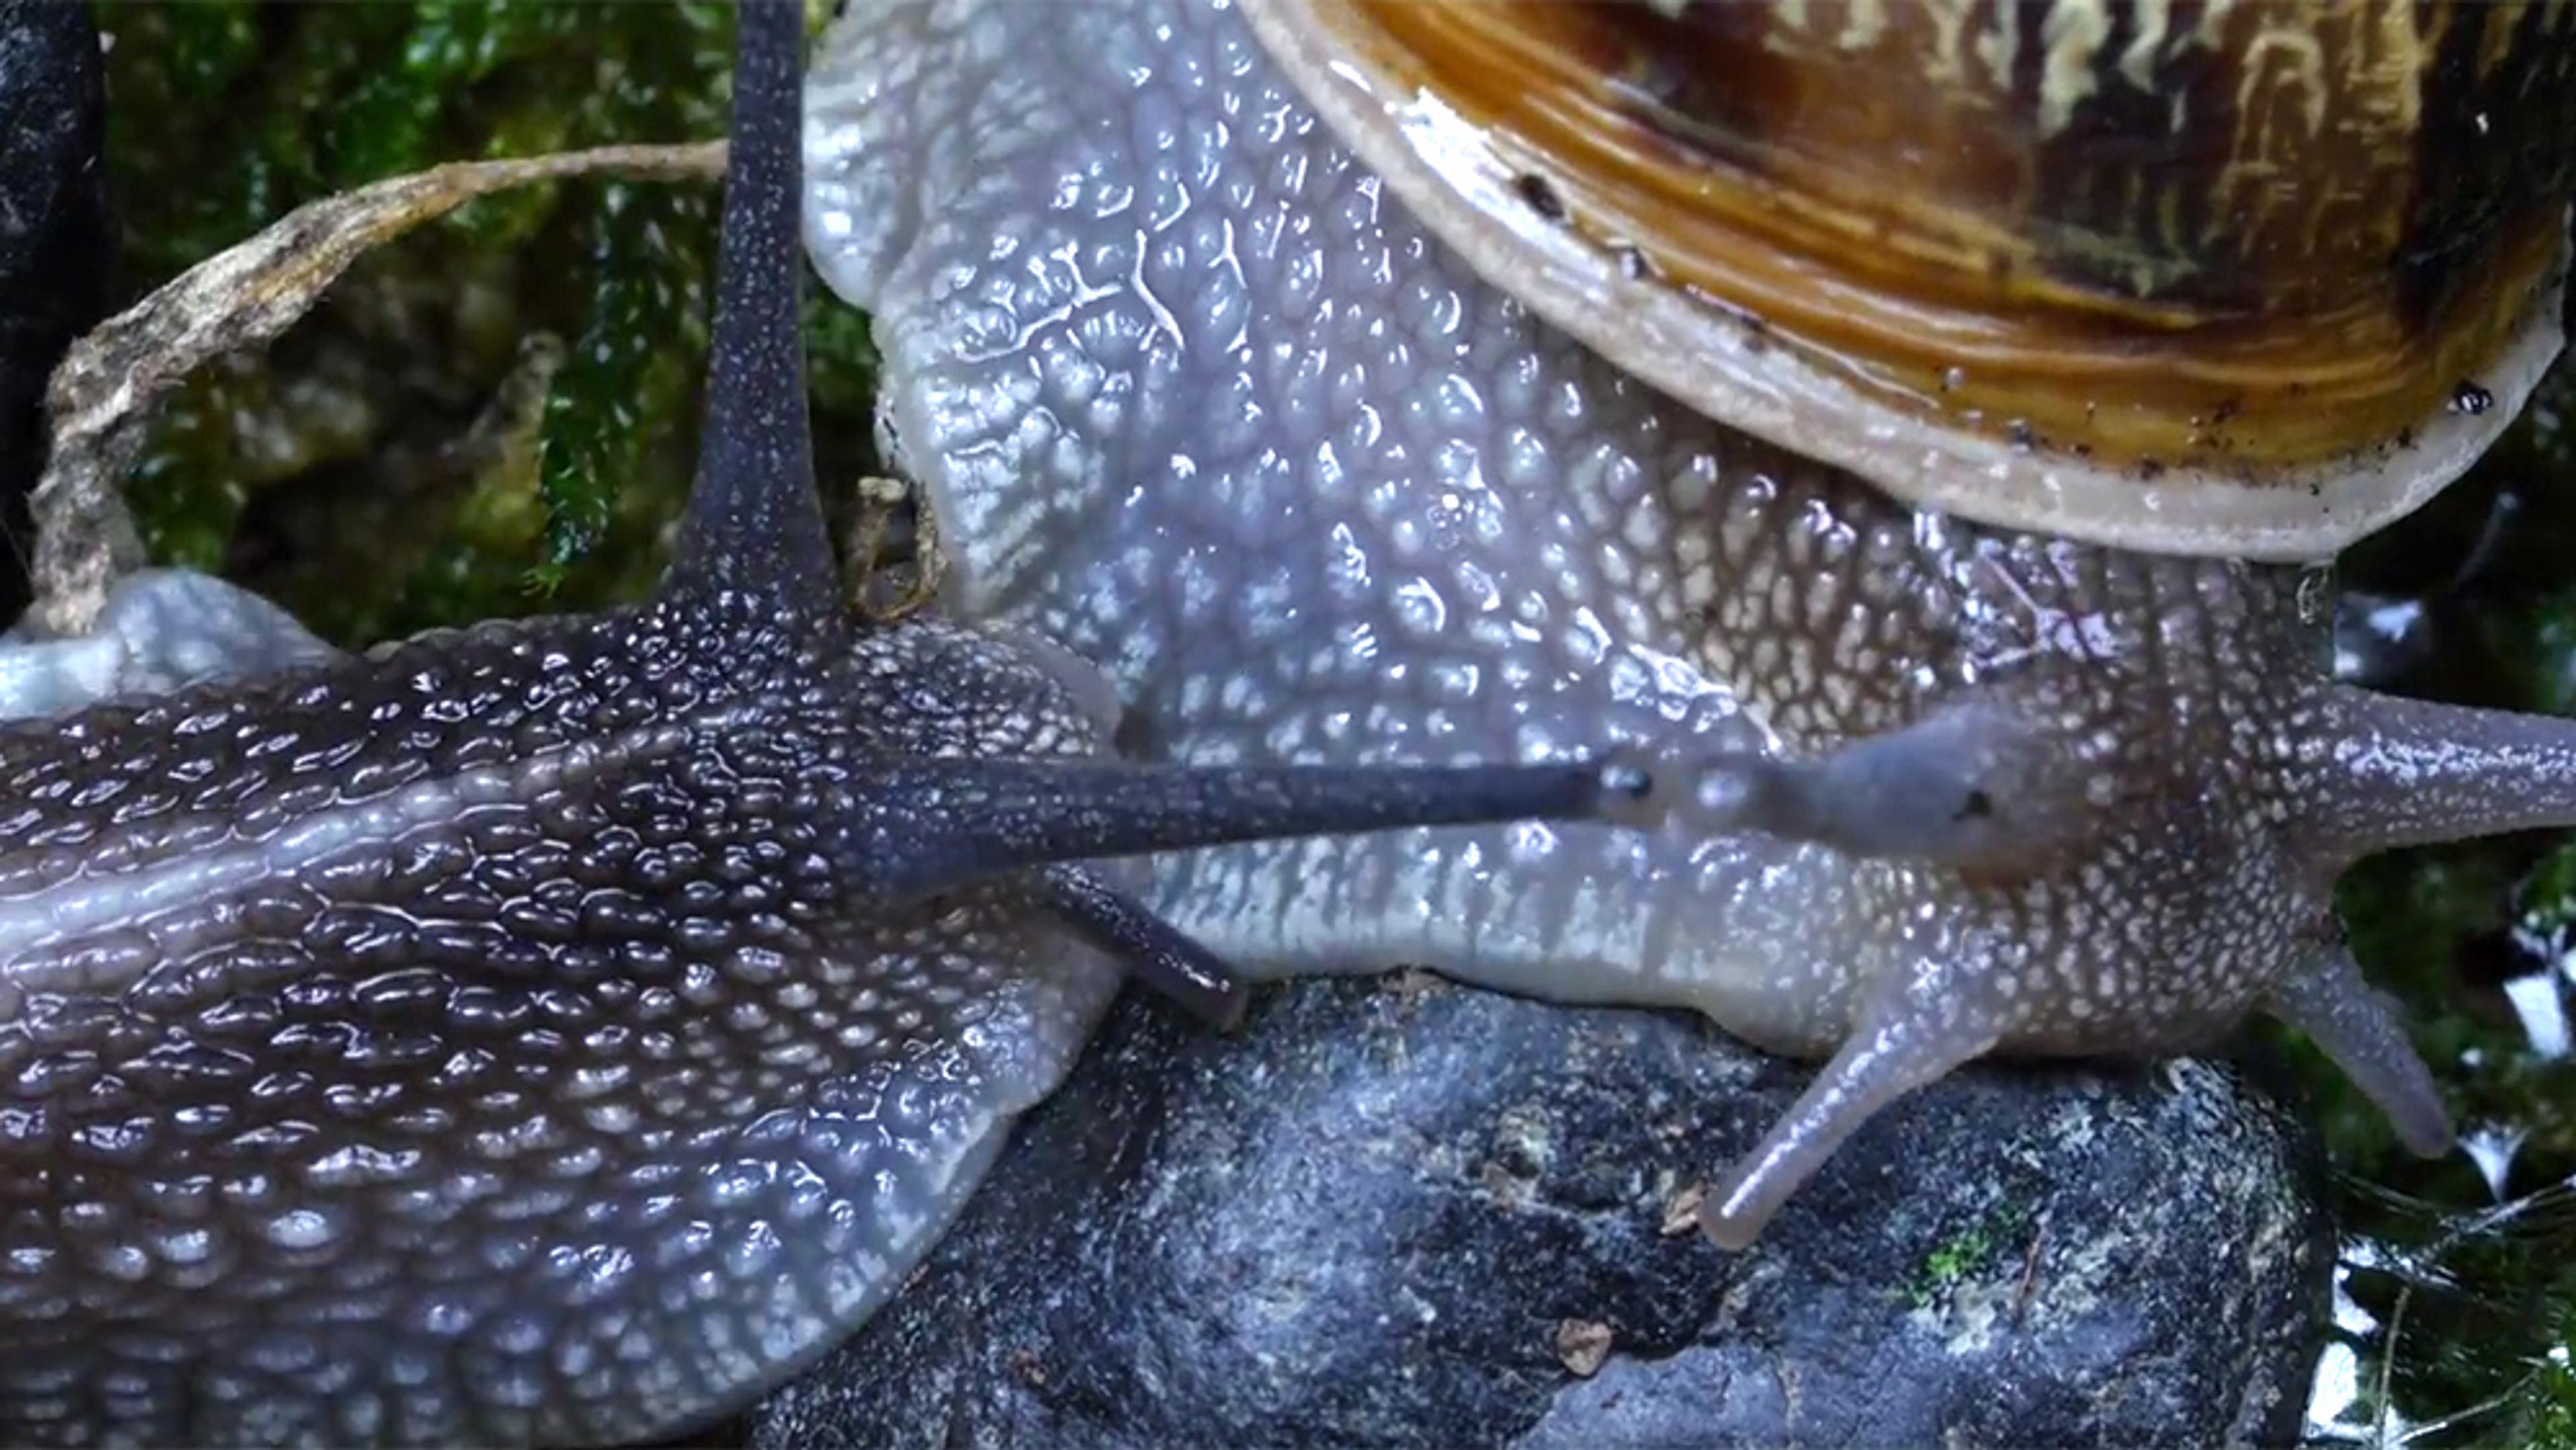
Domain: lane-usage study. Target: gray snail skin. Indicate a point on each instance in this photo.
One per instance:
(558, 1031)
(1305, 451)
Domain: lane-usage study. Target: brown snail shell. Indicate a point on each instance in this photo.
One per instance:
(2232, 279)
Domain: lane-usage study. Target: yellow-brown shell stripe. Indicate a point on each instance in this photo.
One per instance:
(2178, 230)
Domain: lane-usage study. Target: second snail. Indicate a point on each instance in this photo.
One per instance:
(1358, 383)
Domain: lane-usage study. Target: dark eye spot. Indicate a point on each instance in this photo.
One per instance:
(1540, 196)
(1976, 807)
(2467, 397)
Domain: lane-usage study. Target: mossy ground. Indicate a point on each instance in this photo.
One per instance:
(329, 473)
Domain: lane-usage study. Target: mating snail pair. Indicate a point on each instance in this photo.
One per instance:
(560, 1031)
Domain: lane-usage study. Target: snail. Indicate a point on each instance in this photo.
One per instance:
(557, 1031)
(1938, 412)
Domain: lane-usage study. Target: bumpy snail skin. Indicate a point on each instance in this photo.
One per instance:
(558, 1031)
(1196, 397)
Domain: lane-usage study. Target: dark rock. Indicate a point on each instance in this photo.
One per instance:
(1386, 1216)
(55, 242)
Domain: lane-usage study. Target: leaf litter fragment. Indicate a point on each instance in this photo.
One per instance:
(103, 393)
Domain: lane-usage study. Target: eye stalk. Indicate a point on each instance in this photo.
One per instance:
(754, 526)
(920, 827)
(917, 827)
(2383, 772)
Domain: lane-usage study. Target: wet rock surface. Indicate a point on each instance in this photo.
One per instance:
(1405, 1213)
(55, 243)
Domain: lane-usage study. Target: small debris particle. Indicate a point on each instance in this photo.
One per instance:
(1026, 1365)
(1540, 196)
(1757, 328)
(100, 400)
(2467, 397)
(1581, 1345)
(1412, 984)
(2029, 1271)
(1681, 1212)
(1953, 378)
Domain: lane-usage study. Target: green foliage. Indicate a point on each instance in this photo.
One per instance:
(630, 364)
(225, 114)
(1968, 1254)
(2478, 1355)
(2552, 1418)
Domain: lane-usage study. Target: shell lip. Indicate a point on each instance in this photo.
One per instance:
(1720, 361)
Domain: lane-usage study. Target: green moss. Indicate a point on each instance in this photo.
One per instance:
(634, 364)
(2545, 1404)
(226, 115)
(1967, 1255)
(2551, 1420)
(2487, 1298)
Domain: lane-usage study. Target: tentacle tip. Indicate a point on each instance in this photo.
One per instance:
(1732, 1218)
(2358, 1028)
(1158, 956)
(1732, 1233)
(1220, 1010)
(2429, 1136)
(1225, 1011)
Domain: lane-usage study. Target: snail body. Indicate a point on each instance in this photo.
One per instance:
(558, 1031)
(1197, 393)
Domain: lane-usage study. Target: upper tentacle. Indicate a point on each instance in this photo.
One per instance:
(2386, 772)
(754, 526)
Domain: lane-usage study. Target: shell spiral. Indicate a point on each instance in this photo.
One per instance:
(2230, 279)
